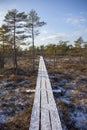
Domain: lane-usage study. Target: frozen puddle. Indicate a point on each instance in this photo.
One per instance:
(80, 119)
(3, 118)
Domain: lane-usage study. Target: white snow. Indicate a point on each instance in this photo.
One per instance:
(2, 118)
(65, 100)
(30, 91)
(80, 118)
(57, 91)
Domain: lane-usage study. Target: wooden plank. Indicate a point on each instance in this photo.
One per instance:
(44, 113)
(35, 120)
(55, 120)
(45, 121)
(54, 116)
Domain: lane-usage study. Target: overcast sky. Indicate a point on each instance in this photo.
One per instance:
(66, 19)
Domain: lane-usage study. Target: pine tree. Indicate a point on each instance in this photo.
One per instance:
(15, 22)
(32, 23)
(3, 40)
(78, 44)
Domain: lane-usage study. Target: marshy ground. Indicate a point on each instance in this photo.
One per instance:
(15, 101)
(68, 79)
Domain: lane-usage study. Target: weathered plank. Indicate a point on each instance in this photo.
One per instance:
(45, 122)
(54, 117)
(44, 113)
(35, 117)
(55, 120)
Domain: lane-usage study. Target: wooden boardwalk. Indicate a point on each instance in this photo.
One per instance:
(44, 113)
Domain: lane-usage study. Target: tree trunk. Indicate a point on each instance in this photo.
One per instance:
(33, 55)
(54, 58)
(15, 52)
(1, 62)
(3, 53)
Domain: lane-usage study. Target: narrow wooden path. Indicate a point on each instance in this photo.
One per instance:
(44, 113)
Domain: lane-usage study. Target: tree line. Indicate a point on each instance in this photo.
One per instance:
(63, 48)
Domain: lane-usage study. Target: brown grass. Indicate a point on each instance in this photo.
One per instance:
(20, 122)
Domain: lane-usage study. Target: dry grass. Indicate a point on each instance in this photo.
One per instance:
(21, 120)
(73, 72)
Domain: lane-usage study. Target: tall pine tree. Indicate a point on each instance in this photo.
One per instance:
(15, 22)
(32, 24)
(3, 39)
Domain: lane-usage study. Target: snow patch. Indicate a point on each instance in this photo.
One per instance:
(2, 118)
(80, 118)
(30, 91)
(65, 100)
(57, 91)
